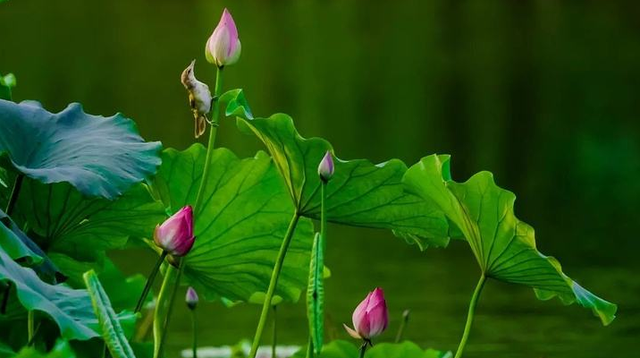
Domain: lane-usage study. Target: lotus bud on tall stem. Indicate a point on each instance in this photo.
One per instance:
(403, 325)
(370, 319)
(191, 299)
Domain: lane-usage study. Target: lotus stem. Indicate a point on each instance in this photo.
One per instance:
(194, 325)
(152, 277)
(172, 299)
(310, 348)
(213, 130)
(403, 325)
(275, 274)
(274, 342)
(14, 194)
(363, 348)
(470, 314)
(30, 326)
(5, 299)
(161, 309)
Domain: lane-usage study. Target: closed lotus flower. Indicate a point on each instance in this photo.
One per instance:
(370, 318)
(175, 235)
(326, 167)
(191, 298)
(223, 47)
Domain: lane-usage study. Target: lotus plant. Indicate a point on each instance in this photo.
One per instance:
(370, 319)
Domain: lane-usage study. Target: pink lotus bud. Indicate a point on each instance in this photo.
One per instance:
(370, 317)
(223, 47)
(325, 169)
(191, 298)
(175, 235)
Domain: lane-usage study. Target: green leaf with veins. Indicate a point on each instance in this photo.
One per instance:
(360, 193)
(407, 349)
(69, 308)
(100, 156)
(239, 226)
(71, 227)
(503, 245)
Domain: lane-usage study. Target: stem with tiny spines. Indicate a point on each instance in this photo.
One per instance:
(195, 333)
(275, 274)
(470, 314)
(152, 277)
(172, 299)
(212, 140)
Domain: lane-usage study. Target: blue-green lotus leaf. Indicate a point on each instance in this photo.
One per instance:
(100, 156)
(69, 308)
(504, 246)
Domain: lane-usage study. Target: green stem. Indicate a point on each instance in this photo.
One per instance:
(212, 140)
(310, 348)
(172, 299)
(152, 277)
(161, 308)
(275, 274)
(472, 309)
(403, 325)
(194, 325)
(30, 326)
(14, 194)
(274, 342)
(363, 348)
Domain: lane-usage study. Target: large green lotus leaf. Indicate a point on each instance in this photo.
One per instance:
(70, 226)
(344, 349)
(70, 308)
(100, 156)
(12, 243)
(62, 349)
(503, 245)
(360, 193)
(240, 225)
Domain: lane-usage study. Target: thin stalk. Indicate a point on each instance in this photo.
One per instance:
(5, 299)
(274, 342)
(472, 309)
(14, 194)
(310, 348)
(172, 299)
(152, 277)
(194, 325)
(212, 140)
(403, 325)
(275, 274)
(161, 309)
(30, 326)
(363, 348)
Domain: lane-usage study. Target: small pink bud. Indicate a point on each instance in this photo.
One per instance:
(191, 298)
(175, 235)
(223, 47)
(370, 318)
(325, 169)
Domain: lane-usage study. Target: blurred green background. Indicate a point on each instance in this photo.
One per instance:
(545, 94)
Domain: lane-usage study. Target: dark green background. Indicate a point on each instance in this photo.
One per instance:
(545, 94)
